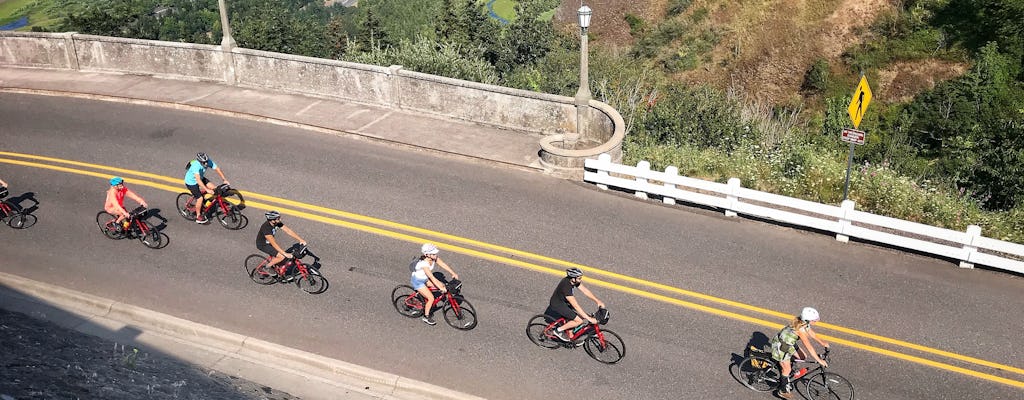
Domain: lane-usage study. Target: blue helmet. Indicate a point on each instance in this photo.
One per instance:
(117, 180)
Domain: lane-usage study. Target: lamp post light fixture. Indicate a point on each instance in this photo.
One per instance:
(583, 95)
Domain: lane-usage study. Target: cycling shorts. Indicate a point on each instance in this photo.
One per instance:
(417, 284)
(267, 248)
(561, 310)
(194, 189)
(782, 352)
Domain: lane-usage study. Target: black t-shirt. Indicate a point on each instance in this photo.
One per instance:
(266, 229)
(563, 290)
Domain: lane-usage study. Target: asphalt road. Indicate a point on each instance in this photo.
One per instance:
(674, 349)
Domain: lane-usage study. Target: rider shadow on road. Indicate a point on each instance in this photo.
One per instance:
(758, 340)
(154, 213)
(18, 201)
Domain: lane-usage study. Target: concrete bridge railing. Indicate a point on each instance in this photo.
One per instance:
(548, 116)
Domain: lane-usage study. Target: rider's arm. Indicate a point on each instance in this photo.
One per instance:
(2, 183)
(447, 268)
(579, 310)
(816, 338)
(590, 294)
(292, 233)
(273, 243)
(434, 281)
(806, 340)
(221, 173)
(133, 196)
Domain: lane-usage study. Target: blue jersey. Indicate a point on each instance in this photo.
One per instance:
(196, 167)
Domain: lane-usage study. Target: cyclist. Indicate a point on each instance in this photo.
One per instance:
(784, 347)
(195, 174)
(2, 183)
(423, 277)
(115, 200)
(563, 303)
(265, 239)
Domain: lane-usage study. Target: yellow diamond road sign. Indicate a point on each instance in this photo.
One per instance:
(859, 105)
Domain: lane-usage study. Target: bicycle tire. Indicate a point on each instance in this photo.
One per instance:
(398, 299)
(233, 221)
(104, 221)
(313, 283)
(613, 351)
(535, 331)
(152, 238)
(759, 373)
(16, 219)
(255, 265)
(466, 318)
(181, 203)
(828, 385)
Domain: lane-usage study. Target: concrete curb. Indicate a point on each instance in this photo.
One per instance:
(232, 344)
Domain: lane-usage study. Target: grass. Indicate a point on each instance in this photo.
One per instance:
(38, 12)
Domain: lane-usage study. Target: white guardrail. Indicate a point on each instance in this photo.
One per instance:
(969, 247)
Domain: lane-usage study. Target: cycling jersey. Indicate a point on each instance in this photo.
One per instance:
(558, 306)
(784, 343)
(261, 238)
(119, 195)
(419, 273)
(196, 167)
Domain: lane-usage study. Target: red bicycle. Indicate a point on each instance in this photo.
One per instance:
(11, 214)
(306, 277)
(134, 227)
(601, 344)
(458, 312)
(226, 205)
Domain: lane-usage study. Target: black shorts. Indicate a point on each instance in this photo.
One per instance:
(194, 189)
(267, 248)
(561, 310)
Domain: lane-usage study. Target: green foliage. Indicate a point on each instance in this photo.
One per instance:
(427, 56)
(637, 26)
(702, 117)
(665, 33)
(399, 20)
(816, 77)
(676, 7)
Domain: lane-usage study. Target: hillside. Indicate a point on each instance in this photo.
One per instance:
(763, 49)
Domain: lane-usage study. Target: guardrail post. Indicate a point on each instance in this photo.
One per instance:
(395, 84)
(604, 162)
(732, 197)
(671, 171)
(844, 221)
(973, 232)
(644, 167)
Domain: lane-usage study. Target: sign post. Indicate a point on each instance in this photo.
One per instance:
(858, 105)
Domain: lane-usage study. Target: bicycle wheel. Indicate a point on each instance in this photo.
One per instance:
(106, 223)
(828, 385)
(464, 320)
(184, 201)
(313, 283)
(233, 220)
(151, 238)
(258, 272)
(610, 352)
(759, 373)
(17, 220)
(535, 331)
(404, 298)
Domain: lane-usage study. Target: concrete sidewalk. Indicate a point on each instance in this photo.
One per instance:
(456, 138)
(299, 373)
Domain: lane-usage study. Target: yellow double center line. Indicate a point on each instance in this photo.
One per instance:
(389, 229)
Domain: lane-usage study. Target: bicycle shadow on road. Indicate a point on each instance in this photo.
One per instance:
(19, 203)
(758, 341)
(154, 213)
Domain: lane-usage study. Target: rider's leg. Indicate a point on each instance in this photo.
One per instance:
(197, 196)
(428, 299)
(272, 264)
(787, 366)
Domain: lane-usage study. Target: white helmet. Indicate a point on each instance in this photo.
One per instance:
(809, 314)
(428, 248)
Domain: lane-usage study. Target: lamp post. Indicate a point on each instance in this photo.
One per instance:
(227, 44)
(583, 94)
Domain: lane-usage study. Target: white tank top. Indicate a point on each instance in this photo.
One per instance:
(420, 269)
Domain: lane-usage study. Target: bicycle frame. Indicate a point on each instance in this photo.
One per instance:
(579, 331)
(439, 297)
(217, 200)
(282, 268)
(6, 209)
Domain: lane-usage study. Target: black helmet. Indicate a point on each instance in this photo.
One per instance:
(574, 272)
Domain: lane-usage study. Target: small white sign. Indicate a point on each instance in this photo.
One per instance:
(853, 136)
